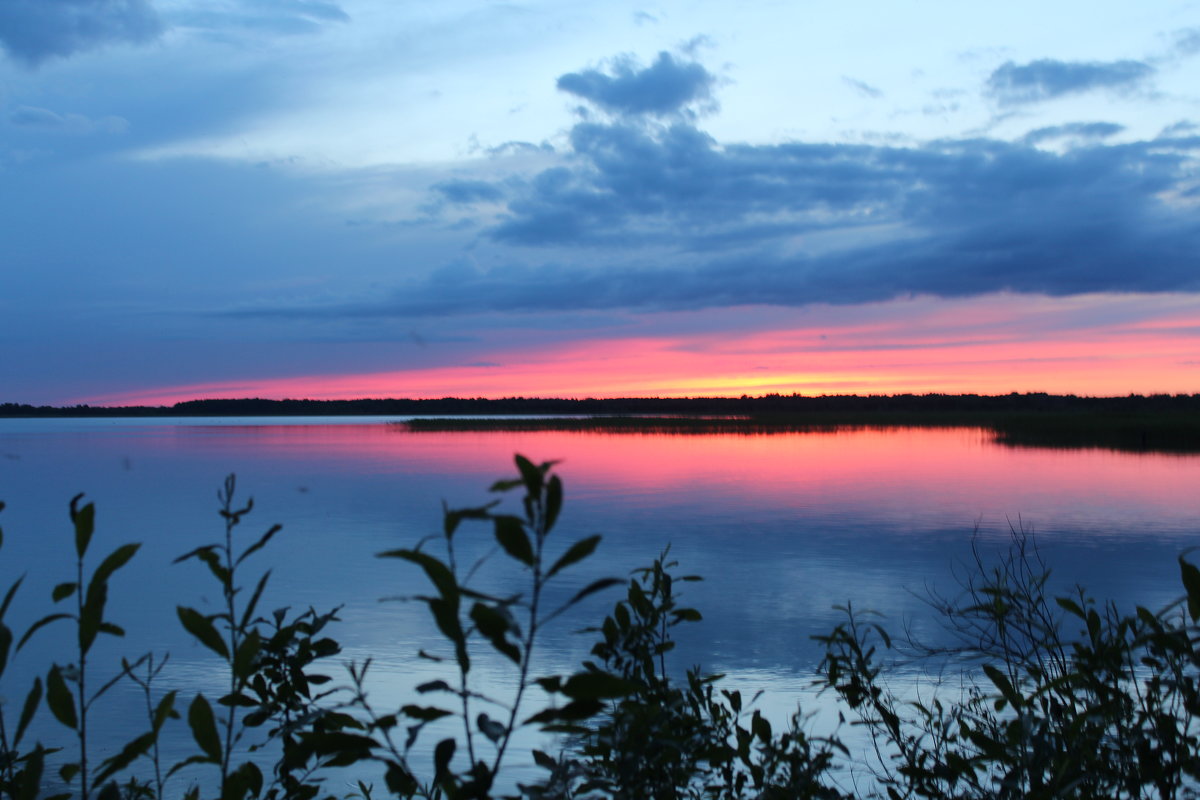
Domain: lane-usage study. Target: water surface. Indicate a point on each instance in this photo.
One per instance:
(781, 526)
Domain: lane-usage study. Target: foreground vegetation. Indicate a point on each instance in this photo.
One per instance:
(1040, 695)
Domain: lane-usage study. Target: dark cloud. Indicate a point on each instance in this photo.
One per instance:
(1077, 130)
(864, 89)
(33, 31)
(666, 87)
(665, 217)
(1046, 78)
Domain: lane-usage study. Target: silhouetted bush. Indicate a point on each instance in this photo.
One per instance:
(1059, 696)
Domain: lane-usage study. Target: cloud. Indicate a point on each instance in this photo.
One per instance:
(864, 89)
(1078, 130)
(34, 31)
(665, 217)
(1181, 128)
(1045, 79)
(45, 119)
(1187, 42)
(666, 87)
(262, 16)
(465, 191)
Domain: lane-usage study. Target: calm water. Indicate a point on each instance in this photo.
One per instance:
(781, 526)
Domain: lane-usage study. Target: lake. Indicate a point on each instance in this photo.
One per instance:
(781, 526)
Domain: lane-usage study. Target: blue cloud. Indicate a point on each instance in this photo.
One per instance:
(33, 31)
(658, 217)
(1045, 79)
(264, 16)
(666, 87)
(43, 119)
(864, 89)
(464, 191)
(1077, 130)
(1187, 41)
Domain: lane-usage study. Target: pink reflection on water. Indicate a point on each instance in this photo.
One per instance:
(953, 476)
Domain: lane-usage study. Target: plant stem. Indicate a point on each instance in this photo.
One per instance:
(82, 686)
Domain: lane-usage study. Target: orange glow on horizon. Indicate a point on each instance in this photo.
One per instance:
(992, 345)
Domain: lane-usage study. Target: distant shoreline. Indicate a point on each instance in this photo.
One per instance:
(772, 404)
(1157, 423)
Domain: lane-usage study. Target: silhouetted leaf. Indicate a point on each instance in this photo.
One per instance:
(187, 762)
(58, 697)
(530, 475)
(399, 780)
(442, 753)
(452, 518)
(446, 617)
(510, 533)
(590, 589)
(63, 590)
(30, 780)
(247, 652)
(129, 753)
(237, 699)
(246, 779)
(165, 710)
(92, 614)
(490, 728)
(425, 713)
(1191, 584)
(495, 627)
(1004, 685)
(32, 699)
(203, 629)
(262, 541)
(575, 553)
(597, 686)
(6, 640)
(204, 728)
(434, 686)
(1070, 606)
(761, 727)
(84, 520)
(571, 712)
(113, 562)
(441, 576)
(554, 498)
(252, 603)
(111, 629)
(41, 623)
(552, 684)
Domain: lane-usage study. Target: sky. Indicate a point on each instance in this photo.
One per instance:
(372, 198)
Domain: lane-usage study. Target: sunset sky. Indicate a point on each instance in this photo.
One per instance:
(366, 198)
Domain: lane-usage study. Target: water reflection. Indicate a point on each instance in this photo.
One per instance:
(782, 526)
